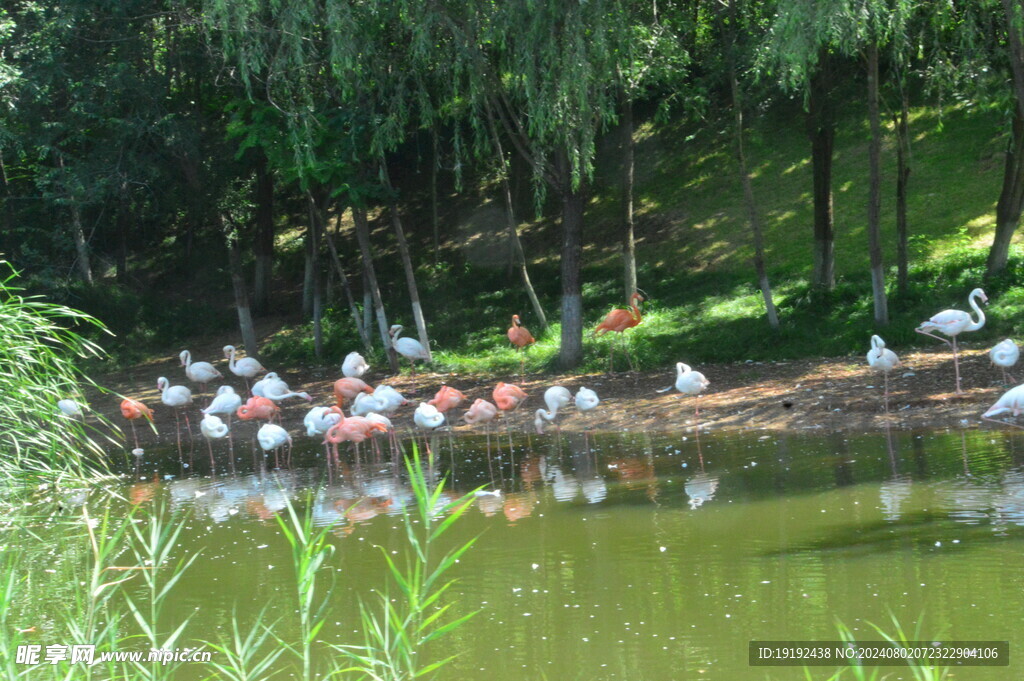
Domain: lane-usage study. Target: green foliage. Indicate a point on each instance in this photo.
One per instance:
(38, 357)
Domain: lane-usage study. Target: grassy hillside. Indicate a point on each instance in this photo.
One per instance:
(693, 251)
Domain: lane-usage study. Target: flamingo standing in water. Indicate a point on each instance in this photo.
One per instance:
(225, 403)
(354, 429)
(520, 337)
(272, 437)
(952, 323)
(483, 412)
(246, 368)
(555, 397)
(428, 418)
(258, 409)
(366, 404)
(319, 420)
(198, 372)
(690, 382)
(586, 401)
(508, 396)
(881, 358)
(409, 348)
(1012, 401)
(212, 428)
(177, 397)
(354, 365)
(133, 410)
(1004, 355)
(619, 320)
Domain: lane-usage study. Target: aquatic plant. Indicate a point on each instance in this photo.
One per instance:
(397, 631)
(38, 359)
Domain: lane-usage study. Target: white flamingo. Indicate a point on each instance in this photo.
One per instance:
(246, 368)
(365, 403)
(259, 386)
(690, 382)
(271, 438)
(225, 403)
(555, 397)
(177, 397)
(354, 365)
(1004, 355)
(390, 398)
(319, 420)
(374, 417)
(278, 390)
(1012, 402)
(427, 418)
(70, 408)
(198, 372)
(586, 401)
(881, 358)
(213, 428)
(409, 348)
(952, 323)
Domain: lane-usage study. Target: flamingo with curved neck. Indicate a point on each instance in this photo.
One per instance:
(954, 322)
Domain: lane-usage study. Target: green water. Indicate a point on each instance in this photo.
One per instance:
(636, 556)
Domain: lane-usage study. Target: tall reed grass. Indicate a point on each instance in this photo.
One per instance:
(38, 358)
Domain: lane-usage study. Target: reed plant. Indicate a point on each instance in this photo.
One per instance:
(397, 631)
(38, 367)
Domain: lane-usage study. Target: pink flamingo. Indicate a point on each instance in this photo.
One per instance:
(348, 388)
(132, 410)
(447, 398)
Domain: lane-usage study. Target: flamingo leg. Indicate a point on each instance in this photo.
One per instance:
(886, 373)
(625, 349)
(956, 367)
(213, 465)
(1002, 423)
(177, 429)
(135, 436)
(939, 338)
(231, 445)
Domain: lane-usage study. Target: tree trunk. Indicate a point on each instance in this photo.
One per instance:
(316, 228)
(263, 246)
(245, 324)
(364, 333)
(309, 266)
(123, 226)
(822, 131)
(875, 192)
(435, 221)
(902, 126)
(1011, 199)
(748, 199)
(628, 237)
(367, 302)
(363, 236)
(518, 256)
(81, 246)
(403, 251)
(571, 352)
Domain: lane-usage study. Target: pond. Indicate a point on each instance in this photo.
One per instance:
(639, 555)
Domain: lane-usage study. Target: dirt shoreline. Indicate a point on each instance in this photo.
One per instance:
(824, 395)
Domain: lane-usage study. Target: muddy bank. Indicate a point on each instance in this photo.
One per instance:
(832, 394)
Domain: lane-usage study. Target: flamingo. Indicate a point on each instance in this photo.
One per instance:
(482, 411)
(428, 418)
(390, 398)
(260, 408)
(226, 402)
(880, 358)
(177, 397)
(354, 365)
(348, 388)
(953, 322)
(272, 437)
(447, 398)
(555, 397)
(508, 396)
(586, 401)
(1005, 355)
(259, 387)
(132, 410)
(278, 390)
(619, 320)
(354, 429)
(319, 420)
(1011, 401)
(212, 428)
(70, 408)
(389, 428)
(690, 382)
(520, 337)
(198, 372)
(365, 404)
(246, 368)
(409, 348)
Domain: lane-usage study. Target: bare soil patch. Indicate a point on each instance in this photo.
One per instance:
(832, 394)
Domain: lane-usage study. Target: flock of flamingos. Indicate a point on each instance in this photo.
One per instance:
(370, 408)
